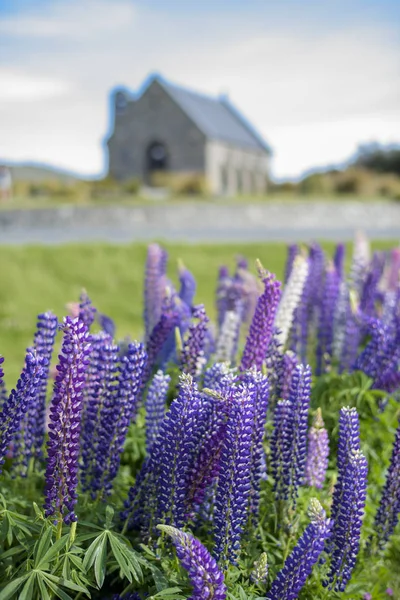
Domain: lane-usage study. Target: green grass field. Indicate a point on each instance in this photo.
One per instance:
(36, 279)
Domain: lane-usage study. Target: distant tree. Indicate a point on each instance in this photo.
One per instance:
(381, 159)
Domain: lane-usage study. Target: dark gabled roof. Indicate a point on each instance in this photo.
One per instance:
(215, 117)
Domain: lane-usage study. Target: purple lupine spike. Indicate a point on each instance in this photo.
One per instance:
(394, 269)
(234, 482)
(349, 440)
(326, 321)
(338, 259)
(289, 363)
(107, 324)
(299, 398)
(154, 287)
(168, 321)
(389, 507)
(219, 377)
(180, 435)
(224, 282)
(155, 406)
(280, 442)
(254, 380)
(345, 542)
(351, 341)
(30, 438)
(317, 452)
(299, 564)
(249, 290)
(3, 389)
(118, 412)
(87, 312)
(192, 358)
(292, 252)
(19, 400)
(100, 389)
(204, 574)
(65, 418)
(188, 285)
(261, 328)
(273, 365)
(370, 286)
(206, 466)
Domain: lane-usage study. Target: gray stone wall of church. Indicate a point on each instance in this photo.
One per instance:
(154, 117)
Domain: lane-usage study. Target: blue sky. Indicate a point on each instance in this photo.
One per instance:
(315, 78)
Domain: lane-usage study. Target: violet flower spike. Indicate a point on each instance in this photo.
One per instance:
(204, 574)
(17, 404)
(65, 418)
(317, 452)
(3, 389)
(345, 542)
(154, 287)
(299, 564)
(155, 405)
(87, 312)
(262, 325)
(232, 498)
(389, 507)
(192, 358)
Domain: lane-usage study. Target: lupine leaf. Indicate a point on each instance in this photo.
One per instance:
(43, 545)
(100, 562)
(53, 551)
(13, 587)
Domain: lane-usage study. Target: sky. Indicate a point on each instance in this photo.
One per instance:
(316, 79)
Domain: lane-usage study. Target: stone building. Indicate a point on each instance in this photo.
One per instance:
(171, 130)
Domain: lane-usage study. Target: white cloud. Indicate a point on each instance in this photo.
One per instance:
(16, 86)
(314, 95)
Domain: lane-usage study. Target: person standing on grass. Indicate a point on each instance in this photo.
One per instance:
(5, 183)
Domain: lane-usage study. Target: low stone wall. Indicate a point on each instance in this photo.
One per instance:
(202, 221)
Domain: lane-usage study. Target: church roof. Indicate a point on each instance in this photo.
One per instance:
(215, 117)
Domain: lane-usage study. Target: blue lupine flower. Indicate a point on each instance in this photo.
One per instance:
(317, 452)
(65, 418)
(234, 481)
(155, 406)
(204, 574)
(262, 325)
(389, 507)
(87, 312)
(345, 542)
(299, 564)
(19, 401)
(326, 321)
(154, 287)
(192, 358)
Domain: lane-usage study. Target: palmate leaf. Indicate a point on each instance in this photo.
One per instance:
(11, 589)
(126, 558)
(173, 593)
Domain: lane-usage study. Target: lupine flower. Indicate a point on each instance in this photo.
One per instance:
(228, 337)
(192, 359)
(258, 388)
(107, 324)
(87, 312)
(65, 417)
(155, 406)
(349, 441)
(168, 321)
(154, 287)
(250, 289)
(3, 389)
(389, 592)
(219, 376)
(394, 270)
(204, 574)
(259, 574)
(299, 564)
(292, 252)
(30, 437)
(326, 321)
(289, 363)
(224, 282)
(389, 507)
(18, 402)
(188, 285)
(345, 542)
(291, 297)
(234, 481)
(360, 261)
(261, 328)
(118, 411)
(317, 452)
(338, 259)
(100, 391)
(370, 287)
(289, 441)
(381, 356)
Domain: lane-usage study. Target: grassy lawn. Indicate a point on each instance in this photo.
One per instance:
(36, 279)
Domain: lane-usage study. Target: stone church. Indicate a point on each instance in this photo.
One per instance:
(169, 129)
